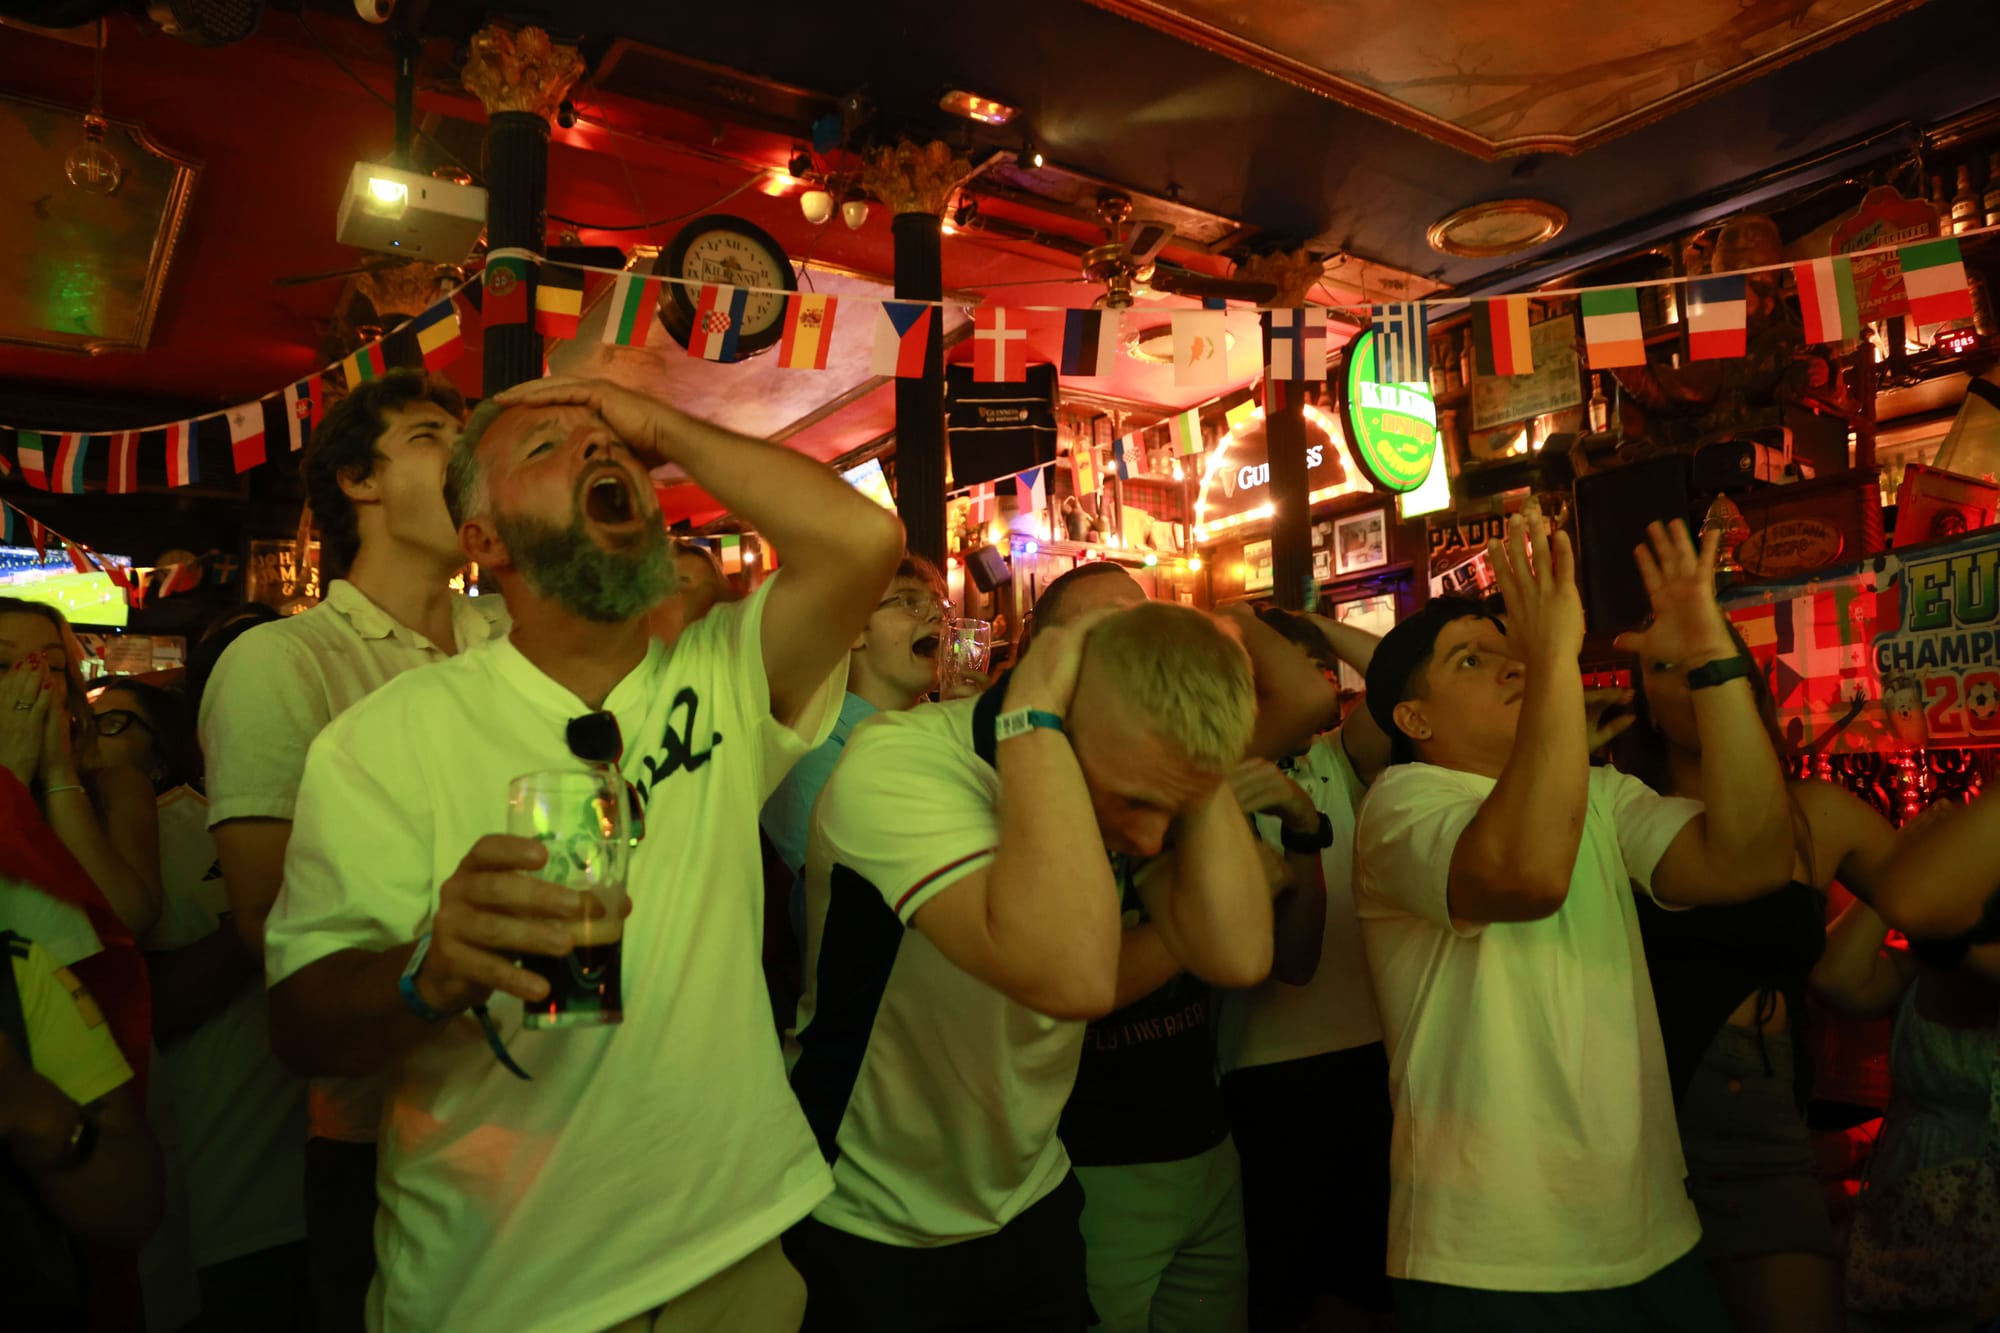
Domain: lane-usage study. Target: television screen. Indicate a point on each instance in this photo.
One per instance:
(871, 481)
(87, 599)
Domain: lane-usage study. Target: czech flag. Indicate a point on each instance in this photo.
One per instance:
(1500, 337)
(438, 335)
(122, 477)
(718, 322)
(902, 338)
(304, 406)
(79, 559)
(1718, 317)
(183, 454)
(32, 450)
(808, 332)
(71, 451)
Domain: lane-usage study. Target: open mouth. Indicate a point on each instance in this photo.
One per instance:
(925, 646)
(608, 500)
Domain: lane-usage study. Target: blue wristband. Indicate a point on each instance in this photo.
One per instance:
(406, 985)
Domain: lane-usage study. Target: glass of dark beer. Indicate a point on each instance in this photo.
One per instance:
(579, 814)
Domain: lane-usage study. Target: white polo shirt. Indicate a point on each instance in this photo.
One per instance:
(643, 1158)
(273, 691)
(1535, 1147)
(1335, 1010)
(935, 1097)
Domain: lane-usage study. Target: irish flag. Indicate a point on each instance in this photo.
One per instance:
(808, 332)
(1718, 317)
(1826, 299)
(630, 321)
(1500, 337)
(1934, 280)
(1611, 332)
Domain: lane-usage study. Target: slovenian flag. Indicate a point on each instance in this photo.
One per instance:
(1185, 428)
(1295, 344)
(183, 454)
(32, 450)
(1500, 337)
(1934, 280)
(808, 335)
(558, 301)
(1718, 317)
(438, 335)
(71, 451)
(902, 338)
(630, 321)
(246, 434)
(718, 321)
(1826, 299)
(506, 284)
(1612, 335)
(1402, 343)
(1090, 342)
(363, 365)
(304, 406)
(122, 476)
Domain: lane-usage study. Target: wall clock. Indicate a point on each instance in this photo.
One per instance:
(723, 249)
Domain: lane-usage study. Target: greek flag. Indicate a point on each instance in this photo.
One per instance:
(1402, 344)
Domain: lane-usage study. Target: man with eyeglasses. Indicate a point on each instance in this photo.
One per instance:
(628, 1177)
(893, 665)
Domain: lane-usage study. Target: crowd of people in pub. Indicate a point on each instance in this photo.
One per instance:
(1155, 987)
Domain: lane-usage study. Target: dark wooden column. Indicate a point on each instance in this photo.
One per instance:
(920, 402)
(1291, 505)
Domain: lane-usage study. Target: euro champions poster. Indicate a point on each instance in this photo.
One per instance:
(1900, 651)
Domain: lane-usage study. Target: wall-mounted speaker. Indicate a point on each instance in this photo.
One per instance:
(989, 569)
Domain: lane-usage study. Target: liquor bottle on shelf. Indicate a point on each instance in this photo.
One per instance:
(1941, 205)
(1966, 204)
(1600, 406)
(1438, 389)
(1465, 360)
(1453, 381)
(1992, 201)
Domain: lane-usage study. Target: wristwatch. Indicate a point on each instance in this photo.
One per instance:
(1318, 840)
(1021, 721)
(1710, 674)
(406, 985)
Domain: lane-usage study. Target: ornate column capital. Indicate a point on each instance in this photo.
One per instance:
(520, 69)
(913, 179)
(1293, 273)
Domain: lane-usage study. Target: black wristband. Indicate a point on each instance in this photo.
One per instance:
(1710, 674)
(1318, 840)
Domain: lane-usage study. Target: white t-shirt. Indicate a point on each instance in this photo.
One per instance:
(1335, 1010)
(273, 691)
(1535, 1147)
(241, 1115)
(935, 1096)
(645, 1157)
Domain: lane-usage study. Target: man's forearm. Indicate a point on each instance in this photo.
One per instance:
(343, 1015)
(1298, 920)
(1214, 910)
(114, 1198)
(1350, 643)
(1053, 897)
(1528, 829)
(1748, 815)
(195, 983)
(1145, 964)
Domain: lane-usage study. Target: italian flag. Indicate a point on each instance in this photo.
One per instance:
(1934, 280)
(1611, 332)
(1826, 299)
(630, 322)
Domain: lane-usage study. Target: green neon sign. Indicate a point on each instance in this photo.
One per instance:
(1391, 428)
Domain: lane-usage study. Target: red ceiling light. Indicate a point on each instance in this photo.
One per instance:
(973, 107)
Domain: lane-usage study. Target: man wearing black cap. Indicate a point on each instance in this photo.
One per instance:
(1537, 1175)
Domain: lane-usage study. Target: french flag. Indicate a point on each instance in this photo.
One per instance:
(1718, 317)
(718, 319)
(246, 434)
(902, 337)
(183, 454)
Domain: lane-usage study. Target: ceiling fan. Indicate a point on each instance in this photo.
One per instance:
(1128, 263)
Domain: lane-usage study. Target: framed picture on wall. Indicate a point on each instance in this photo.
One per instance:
(1360, 542)
(1375, 614)
(1257, 566)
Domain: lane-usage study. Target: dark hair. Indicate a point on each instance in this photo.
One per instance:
(1396, 672)
(923, 571)
(1301, 631)
(205, 652)
(1047, 609)
(166, 712)
(344, 446)
(81, 731)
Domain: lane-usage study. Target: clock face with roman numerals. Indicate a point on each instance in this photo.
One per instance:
(724, 250)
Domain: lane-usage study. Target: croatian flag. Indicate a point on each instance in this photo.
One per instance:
(718, 320)
(999, 350)
(1090, 342)
(304, 406)
(122, 476)
(246, 434)
(1295, 344)
(183, 454)
(71, 451)
(902, 337)
(1402, 343)
(1718, 317)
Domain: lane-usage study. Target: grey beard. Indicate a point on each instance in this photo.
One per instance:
(567, 567)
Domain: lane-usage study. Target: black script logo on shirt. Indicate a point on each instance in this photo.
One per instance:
(677, 752)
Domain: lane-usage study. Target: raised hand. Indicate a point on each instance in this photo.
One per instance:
(1688, 628)
(1260, 787)
(24, 709)
(1537, 577)
(647, 425)
(1046, 677)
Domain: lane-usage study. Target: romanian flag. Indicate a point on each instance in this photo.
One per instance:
(32, 449)
(1090, 342)
(558, 301)
(1186, 431)
(902, 338)
(808, 332)
(1611, 332)
(246, 434)
(1934, 280)
(630, 320)
(71, 451)
(718, 322)
(363, 365)
(1500, 337)
(183, 454)
(1718, 317)
(438, 335)
(506, 291)
(304, 406)
(1826, 299)
(122, 476)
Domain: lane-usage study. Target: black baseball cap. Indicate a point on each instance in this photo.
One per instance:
(1405, 651)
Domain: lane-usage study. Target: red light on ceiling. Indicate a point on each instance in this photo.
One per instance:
(973, 107)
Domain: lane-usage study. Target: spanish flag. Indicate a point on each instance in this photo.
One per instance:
(808, 332)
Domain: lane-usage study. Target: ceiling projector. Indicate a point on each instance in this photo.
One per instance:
(406, 213)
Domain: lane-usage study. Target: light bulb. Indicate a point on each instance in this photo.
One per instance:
(817, 205)
(854, 212)
(91, 166)
(1151, 559)
(1194, 563)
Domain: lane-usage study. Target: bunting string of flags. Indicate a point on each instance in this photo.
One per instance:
(21, 529)
(519, 288)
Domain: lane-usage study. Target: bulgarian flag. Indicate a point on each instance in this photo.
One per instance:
(71, 451)
(1826, 299)
(1185, 428)
(1611, 332)
(1934, 280)
(1500, 337)
(364, 365)
(183, 454)
(808, 332)
(1718, 317)
(32, 450)
(630, 321)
